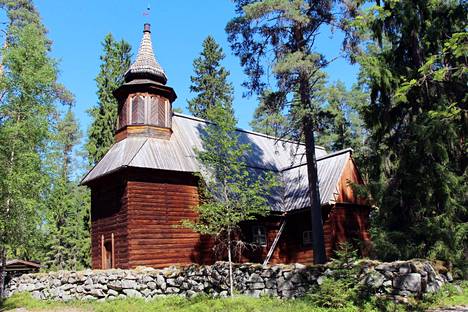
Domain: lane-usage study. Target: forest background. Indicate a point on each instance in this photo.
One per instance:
(402, 108)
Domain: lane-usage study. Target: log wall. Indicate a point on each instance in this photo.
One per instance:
(157, 203)
(109, 216)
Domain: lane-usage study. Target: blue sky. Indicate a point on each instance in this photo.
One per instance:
(178, 29)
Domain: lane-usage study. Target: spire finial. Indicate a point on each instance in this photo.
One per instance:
(146, 66)
(147, 12)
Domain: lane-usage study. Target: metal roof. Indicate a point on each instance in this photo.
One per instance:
(329, 170)
(286, 158)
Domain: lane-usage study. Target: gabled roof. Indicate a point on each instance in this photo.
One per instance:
(285, 158)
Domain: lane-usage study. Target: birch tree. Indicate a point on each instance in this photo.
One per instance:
(233, 194)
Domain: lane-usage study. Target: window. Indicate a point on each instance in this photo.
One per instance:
(161, 112)
(259, 235)
(138, 110)
(153, 110)
(307, 237)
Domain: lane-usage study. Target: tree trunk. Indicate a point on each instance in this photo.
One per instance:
(231, 282)
(314, 192)
(314, 195)
(2, 273)
(304, 81)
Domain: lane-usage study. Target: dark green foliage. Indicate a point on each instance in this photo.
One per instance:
(339, 289)
(29, 88)
(116, 59)
(210, 81)
(332, 293)
(271, 121)
(415, 68)
(343, 126)
(233, 194)
(35, 154)
(21, 13)
(276, 39)
(67, 226)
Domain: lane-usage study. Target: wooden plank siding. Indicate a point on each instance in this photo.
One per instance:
(344, 221)
(157, 203)
(109, 216)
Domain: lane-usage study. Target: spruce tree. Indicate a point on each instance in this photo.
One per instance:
(278, 38)
(415, 67)
(233, 194)
(343, 126)
(116, 59)
(210, 80)
(67, 226)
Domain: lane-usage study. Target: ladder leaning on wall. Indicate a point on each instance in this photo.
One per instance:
(275, 242)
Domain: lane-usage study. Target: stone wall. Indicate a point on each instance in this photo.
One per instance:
(403, 278)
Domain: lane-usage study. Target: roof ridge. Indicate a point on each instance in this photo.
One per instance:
(244, 130)
(331, 155)
(137, 152)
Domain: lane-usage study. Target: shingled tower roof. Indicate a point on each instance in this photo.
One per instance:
(146, 66)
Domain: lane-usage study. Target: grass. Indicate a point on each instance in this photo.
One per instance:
(450, 296)
(170, 303)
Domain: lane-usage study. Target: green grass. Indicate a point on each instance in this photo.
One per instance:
(450, 296)
(172, 304)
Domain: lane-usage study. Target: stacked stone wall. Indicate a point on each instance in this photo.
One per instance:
(403, 278)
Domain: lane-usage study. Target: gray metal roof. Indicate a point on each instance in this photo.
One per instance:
(146, 65)
(286, 158)
(329, 170)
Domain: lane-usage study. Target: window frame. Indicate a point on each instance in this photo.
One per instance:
(307, 238)
(259, 238)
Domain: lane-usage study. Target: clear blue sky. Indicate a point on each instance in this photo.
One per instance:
(77, 27)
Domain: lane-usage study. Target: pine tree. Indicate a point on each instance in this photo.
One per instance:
(116, 59)
(210, 80)
(67, 225)
(278, 37)
(415, 67)
(268, 120)
(21, 13)
(233, 194)
(29, 89)
(344, 126)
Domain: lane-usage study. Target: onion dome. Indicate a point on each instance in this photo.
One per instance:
(146, 66)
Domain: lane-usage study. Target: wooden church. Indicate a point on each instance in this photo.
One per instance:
(147, 183)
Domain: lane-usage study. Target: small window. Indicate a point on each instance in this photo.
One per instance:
(259, 235)
(161, 112)
(153, 110)
(307, 238)
(138, 110)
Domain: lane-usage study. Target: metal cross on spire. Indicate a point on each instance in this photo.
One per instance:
(147, 12)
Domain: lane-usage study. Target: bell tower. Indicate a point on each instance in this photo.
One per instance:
(145, 102)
